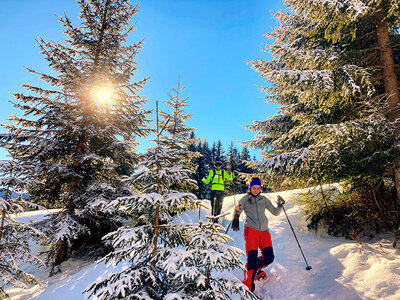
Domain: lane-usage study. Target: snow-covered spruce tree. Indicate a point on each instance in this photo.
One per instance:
(178, 136)
(166, 259)
(331, 81)
(14, 236)
(366, 31)
(324, 76)
(77, 135)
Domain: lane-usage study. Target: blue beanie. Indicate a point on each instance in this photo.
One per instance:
(254, 181)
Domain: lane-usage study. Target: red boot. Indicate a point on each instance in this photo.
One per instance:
(260, 275)
(248, 280)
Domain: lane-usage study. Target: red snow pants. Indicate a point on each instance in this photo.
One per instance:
(255, 240)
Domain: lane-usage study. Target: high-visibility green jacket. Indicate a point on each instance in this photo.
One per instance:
(217, 183)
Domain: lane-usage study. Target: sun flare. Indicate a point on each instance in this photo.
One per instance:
(103, 94)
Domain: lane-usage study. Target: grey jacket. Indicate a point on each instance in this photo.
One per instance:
(255, 211)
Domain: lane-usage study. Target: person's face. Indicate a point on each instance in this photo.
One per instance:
(218, 167)
(255, 189)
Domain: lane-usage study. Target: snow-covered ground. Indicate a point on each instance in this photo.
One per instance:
(341, 269)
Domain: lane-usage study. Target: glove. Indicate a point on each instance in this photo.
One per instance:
(280, 201)
(235, 222)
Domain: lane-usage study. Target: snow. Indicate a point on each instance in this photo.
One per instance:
(341, 269)
(358, 7)
(34, 216)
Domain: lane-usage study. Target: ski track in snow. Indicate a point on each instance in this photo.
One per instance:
(341, 269)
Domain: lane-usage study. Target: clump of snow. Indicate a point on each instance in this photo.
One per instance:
(341, 269)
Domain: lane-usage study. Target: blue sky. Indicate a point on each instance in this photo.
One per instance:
(207, 43)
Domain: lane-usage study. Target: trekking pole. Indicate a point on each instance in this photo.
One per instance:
(308, 267)
(199, 212)
(229, 226)
(234, 201)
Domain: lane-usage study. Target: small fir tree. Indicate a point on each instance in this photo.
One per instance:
(178, 136)
(14, 236)
(166, 259)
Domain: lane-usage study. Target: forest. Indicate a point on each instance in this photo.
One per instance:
(335, 77)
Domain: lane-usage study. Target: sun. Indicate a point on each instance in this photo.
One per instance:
(103, 94)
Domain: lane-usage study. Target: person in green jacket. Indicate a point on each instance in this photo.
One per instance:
(216, 178)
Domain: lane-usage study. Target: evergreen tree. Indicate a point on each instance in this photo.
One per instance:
(193, 147)
(234, 165)
(366, 31)
(244, 172)
(330, 75)
(245, 154)
(214, 156)
(82, 129)
(328, 112)
(208, 154)
(219, 153)
(208, 164)
(233, 157)
(201, 169)
(244, 160)
(14, 246)
(178, 134)
(167, 261)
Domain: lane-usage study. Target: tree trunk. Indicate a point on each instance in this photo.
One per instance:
(62, 247)
(391, 85)
(61, 255)
(3, 214)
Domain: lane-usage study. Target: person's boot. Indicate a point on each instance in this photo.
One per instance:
(260, 275)
(249, 280)
(250, 285)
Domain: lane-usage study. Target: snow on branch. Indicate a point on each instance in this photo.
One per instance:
(287, 160)
(353, 7)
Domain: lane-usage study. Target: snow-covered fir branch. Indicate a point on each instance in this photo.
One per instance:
(15, 250)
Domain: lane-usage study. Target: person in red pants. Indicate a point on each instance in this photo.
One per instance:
(256, 233)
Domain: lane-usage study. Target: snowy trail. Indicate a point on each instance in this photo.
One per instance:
(342, 269)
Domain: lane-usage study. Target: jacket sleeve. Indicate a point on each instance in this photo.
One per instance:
(242, 204)
(207, 181)
(272, 209)
(229, 176)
